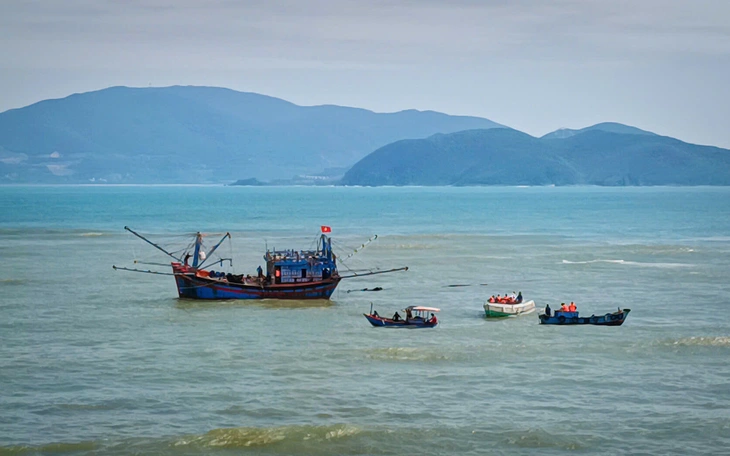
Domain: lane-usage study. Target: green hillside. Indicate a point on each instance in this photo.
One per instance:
(503, 156)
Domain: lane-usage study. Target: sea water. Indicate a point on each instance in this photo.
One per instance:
(97, 361)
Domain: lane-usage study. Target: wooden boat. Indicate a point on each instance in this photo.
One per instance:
(572, 318)
(289, 274)
(416, 317)
(498, 310)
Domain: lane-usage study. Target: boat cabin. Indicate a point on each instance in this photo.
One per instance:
(301, 266)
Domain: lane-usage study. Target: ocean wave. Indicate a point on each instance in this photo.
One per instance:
(51, 448)
(539, 438)
(633, 263)
(700, 341)
(711, 239)
(91, 234)
(258, 437)
(413, 246)
(405, 354)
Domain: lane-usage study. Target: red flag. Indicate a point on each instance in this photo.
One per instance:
(326, 229)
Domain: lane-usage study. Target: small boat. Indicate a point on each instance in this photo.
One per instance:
(498, 309)
(289, 274)
(416, 317)
(572, 318)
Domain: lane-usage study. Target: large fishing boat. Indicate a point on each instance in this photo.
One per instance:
(289, 274)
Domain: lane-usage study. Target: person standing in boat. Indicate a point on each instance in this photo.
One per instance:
(396, 317)
(260, 271)
(548, 311)
(519, 297)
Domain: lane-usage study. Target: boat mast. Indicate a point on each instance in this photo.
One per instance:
(152, 243)
(227, 235)
(198, 243)
(326, 246)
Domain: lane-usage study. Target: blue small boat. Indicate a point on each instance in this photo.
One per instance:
(572, 318)
(416, 317)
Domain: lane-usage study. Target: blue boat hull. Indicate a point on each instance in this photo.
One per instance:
(388, 323)
(572, 318)
(195, 287)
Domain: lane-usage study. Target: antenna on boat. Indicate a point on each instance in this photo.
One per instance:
(152, 244)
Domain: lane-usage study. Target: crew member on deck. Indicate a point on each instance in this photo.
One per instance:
(433, 319)
(187, 257)
(563, 307)
(396, 317)
(572, 307)
(519, 297)
(260, 271)
(547, 310)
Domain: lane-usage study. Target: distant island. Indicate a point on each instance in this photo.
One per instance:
(193, 135)
(251, 182)
(605, 154)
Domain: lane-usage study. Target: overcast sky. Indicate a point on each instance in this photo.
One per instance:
(534, 65)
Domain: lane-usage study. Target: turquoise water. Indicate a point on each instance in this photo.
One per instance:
(94, 361)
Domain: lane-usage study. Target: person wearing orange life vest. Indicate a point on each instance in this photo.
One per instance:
(571, 307)
(563, 307)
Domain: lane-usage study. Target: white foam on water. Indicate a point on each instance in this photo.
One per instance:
(633, 263)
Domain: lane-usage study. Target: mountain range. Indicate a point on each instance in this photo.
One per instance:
(605, 154)
(196, 135)
(215, 135)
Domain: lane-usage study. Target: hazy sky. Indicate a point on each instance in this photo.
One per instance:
(535, 65)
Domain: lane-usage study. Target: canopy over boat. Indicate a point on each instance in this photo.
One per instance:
(422, 309)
